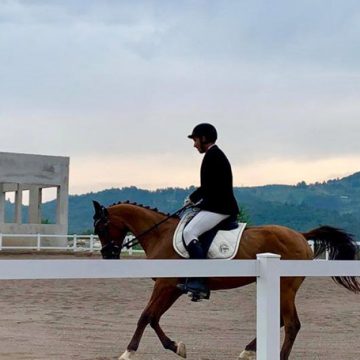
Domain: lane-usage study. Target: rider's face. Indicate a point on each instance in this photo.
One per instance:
(199, 144)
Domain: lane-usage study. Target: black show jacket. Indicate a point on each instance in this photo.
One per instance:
(216, 184)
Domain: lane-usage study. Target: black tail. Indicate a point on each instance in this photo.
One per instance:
(341, 246)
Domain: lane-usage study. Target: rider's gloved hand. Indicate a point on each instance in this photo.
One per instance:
(188, 202)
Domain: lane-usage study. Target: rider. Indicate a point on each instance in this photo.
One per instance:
(215, 198)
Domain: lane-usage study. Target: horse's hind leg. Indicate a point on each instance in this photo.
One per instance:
(291, 325)
(250, 351)
(290, 317)
(250, 348)
(164, 295)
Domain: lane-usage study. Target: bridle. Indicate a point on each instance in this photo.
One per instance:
(112, 250)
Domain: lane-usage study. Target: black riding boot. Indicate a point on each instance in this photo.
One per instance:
(196, 286)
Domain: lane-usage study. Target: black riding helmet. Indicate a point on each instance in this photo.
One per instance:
(206, 130)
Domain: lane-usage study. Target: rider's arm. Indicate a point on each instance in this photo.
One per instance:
(196, 196)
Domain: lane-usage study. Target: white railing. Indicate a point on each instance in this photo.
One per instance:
(75, 243)
(267, 269)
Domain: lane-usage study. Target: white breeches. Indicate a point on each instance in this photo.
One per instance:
(200, 223)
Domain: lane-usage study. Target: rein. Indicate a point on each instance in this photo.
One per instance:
(135, 241)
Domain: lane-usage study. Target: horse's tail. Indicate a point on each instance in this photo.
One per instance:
(341, 246)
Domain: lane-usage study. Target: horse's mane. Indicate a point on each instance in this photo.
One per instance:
(127, 202)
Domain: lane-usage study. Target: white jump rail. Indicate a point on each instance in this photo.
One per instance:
(267, 269)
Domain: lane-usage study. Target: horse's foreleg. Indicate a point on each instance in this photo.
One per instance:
(169, 296)
(177, 348)
(135, 340)
(163, 296)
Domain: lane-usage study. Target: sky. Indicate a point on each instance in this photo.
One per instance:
(118, 85)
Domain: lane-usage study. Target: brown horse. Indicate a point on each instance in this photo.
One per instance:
(113, 223)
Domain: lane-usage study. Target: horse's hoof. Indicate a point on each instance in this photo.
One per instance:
(181, 350)
(248, 355)
(127, 355)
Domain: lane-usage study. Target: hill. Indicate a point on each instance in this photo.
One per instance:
(302, 207)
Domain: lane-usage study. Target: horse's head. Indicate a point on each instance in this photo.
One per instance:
(111, 235)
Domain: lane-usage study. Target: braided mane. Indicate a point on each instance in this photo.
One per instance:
(140, 205)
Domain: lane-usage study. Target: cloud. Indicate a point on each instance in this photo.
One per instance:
(280, 80)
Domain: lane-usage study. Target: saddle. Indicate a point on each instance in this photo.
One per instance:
(221, 242)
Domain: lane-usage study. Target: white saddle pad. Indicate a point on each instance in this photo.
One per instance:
(224, 246)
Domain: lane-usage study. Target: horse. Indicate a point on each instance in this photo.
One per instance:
(154, 231)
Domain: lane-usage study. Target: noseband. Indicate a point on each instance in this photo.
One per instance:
(111, 251)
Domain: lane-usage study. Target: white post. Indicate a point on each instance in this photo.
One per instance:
(268, 307)
(75, 242)
(91, 243)
(327, 254)
(38, 246)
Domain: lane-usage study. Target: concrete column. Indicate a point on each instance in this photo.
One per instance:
(2, 204)
(18, 204)
(58, 205)
(62, 204)
(35, 204)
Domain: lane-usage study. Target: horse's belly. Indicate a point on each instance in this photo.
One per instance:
(230, 282)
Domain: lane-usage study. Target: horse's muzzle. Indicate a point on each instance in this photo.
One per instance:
(111, 251)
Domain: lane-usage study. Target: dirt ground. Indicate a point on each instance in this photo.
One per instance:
(95, 319)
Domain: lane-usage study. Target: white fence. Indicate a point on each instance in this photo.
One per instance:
(75, 243)
(267, 268)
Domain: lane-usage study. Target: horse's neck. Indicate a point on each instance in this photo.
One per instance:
(139, 220)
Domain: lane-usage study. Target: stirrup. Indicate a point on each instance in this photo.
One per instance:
(196, 295)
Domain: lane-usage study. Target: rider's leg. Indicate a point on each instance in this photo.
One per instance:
(202, 222)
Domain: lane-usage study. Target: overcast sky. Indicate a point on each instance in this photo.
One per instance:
(117, 86)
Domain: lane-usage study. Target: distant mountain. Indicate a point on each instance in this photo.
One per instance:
(302, 206)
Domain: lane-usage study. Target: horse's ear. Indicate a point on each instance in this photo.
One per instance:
(97, 207)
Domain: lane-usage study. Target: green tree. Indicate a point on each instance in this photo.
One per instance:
(244, 216)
